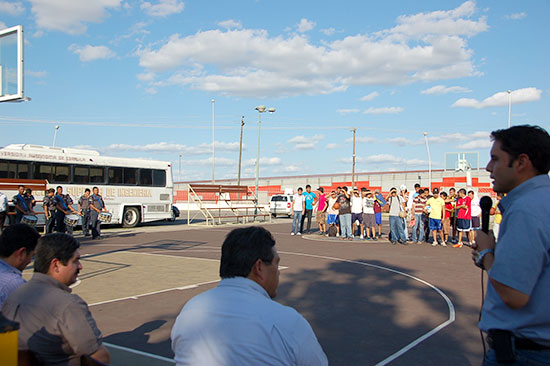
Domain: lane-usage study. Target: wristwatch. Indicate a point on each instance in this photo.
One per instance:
(479, 259)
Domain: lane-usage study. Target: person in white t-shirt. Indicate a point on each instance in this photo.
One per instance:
(476, 216)
(369, 219)
(332, 213)
(298, 209)
(356, 212)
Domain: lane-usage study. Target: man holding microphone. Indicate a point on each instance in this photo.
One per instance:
(516, 311)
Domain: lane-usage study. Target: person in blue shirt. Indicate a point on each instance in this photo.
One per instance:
(516, 310)
(311, 200)
(23, 204)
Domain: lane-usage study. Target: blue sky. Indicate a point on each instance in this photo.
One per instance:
(136, 79)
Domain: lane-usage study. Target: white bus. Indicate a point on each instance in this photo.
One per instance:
(134, 190)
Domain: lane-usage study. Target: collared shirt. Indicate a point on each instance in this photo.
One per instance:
(97, 201)
(50, 203)
(55, 324)
(84, 202)
(10, 279)
(522, 262)
(238, 324)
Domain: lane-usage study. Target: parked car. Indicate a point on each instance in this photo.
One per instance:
(281, 204)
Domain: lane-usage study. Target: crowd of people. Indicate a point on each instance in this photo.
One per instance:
(59, 213)
(414, 217)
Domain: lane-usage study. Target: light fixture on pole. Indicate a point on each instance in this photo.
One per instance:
(509, 107)
(213, 150)
(55, 134)
(240, 152)
(261, 109)
(429, 162)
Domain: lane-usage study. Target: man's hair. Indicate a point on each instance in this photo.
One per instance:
(417, 185)
(242, 248)
(28, 190)
(420, 191)
(345, 188)
(20, 186)
(530, 140)
(54, 246)
(95, 188)
(308, 186)
(462, 190)
(321, 189)
(87, 190)
(472, 192)
(338, 187)
(443, 194)
(299, 189)
(59, 187)
(452, 189)
(51, 190)
(17, 236)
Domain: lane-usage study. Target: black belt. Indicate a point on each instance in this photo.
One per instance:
(523, 344)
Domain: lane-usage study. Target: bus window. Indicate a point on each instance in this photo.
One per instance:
(97, 175)
(22, 170)
(145, 177)
(3, 169)
(115, 175)
(62, 174)
(130, 176)
(12, 170)
(81, 174)
(159, 178)
(43, 171)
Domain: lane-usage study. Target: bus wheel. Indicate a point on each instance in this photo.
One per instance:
(131, 217)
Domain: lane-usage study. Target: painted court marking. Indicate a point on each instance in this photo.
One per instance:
(387, 360)
(141, 353)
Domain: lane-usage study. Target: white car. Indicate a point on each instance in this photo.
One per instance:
(281, 204)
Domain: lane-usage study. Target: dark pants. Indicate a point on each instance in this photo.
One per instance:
(86, 222)
(50, 223)
(95, 224)
(18, 216)
(3, 215)
(307, 215)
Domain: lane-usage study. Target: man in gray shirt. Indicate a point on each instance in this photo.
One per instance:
(55, 325)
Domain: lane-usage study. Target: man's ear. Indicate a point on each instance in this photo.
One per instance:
(256, 272)
(523, 163)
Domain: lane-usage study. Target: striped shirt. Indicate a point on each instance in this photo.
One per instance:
(419, 204)
(10, 279)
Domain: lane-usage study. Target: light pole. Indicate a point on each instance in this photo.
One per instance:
(213, 150)
(261, 109)
(180, 168)
(55, 134)
(509, 106)
(429, 162)
(354, 130)
(240, 152)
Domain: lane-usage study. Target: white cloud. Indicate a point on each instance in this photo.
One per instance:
(13, 8)
(477, 144)
(516, 16)
(263, 161)
(3, 25)
(91, 53)
(403, 141)
(166, 147)
(36, 74)
(370, 96)
(146, 76)
(362, 140)
(442, 89)
(388, 160)
(302, 142)
(384, 110)
(501, 99)
(220, 161)
(331, 146)
(345, 111)
(250, 62)
(305, 25)
(70, 16)
(230, 24)
(163, 8)
(328, 31)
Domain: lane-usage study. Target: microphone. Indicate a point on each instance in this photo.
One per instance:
(485, 203)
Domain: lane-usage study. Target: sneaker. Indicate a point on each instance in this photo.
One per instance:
(350, 237)
(292, 233)
(326, 235)
(361, 237)
(458, 245)
(394, 242)
(443, 244)
(434, 244)
(337, 234)
(299, 233)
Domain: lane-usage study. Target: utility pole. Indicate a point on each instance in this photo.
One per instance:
(353, 167)
(240, 152)
(213, 142)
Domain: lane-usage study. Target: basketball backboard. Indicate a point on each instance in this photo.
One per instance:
(462, 161)
(11, 64)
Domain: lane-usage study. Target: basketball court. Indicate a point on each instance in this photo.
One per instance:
(369, 303)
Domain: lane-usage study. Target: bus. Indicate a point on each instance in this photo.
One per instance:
(134, 190)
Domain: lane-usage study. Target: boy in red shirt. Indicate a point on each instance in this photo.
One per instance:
(464, 218)
(447, 218)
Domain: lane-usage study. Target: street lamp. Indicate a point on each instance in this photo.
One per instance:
(213, 151)
(429, 162)
(55, 134)
(180, 168)
(261, 109)
(509, 106)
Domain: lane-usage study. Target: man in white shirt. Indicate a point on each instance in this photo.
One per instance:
(356, 212)
(238, 323)
(3, 210)
(298, 210)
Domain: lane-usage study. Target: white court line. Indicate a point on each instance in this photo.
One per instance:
(173, 256)
(141, 353)
(452, 313)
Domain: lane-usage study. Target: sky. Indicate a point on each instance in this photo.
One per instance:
(137, 79)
